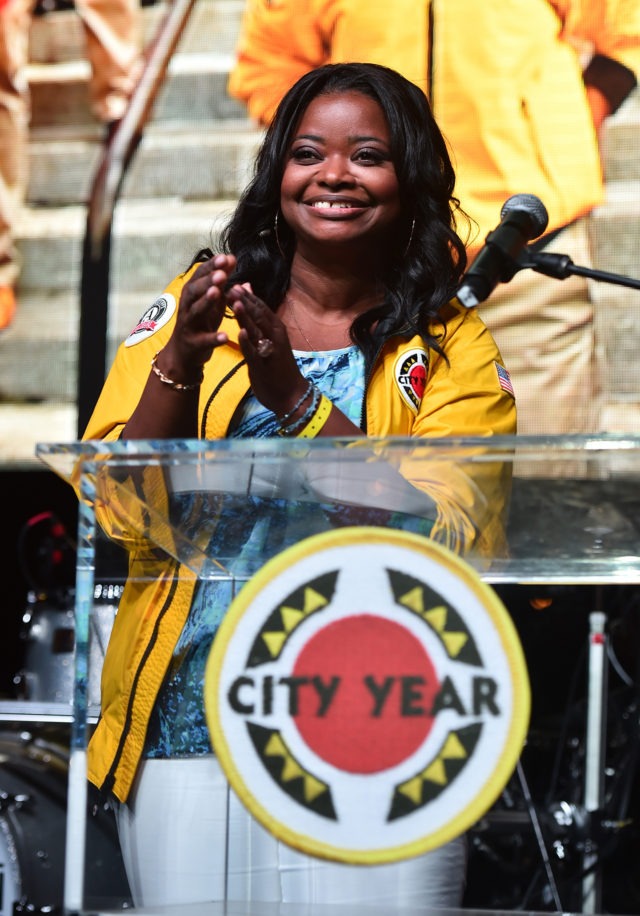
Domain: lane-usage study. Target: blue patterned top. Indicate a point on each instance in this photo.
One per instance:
(239, 533)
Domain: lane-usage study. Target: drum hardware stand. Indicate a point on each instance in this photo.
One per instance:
(595, 742)
(587, 818)
(540, 840)
(25, 907)
(590, 822)
(585, 825)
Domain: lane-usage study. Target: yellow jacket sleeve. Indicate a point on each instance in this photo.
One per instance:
(279, 42)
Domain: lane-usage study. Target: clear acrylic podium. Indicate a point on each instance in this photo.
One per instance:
(518, 510)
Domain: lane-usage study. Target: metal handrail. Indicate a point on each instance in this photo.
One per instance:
(116, 157)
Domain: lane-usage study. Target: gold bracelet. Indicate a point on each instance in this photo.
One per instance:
(177, 386)
(318, 419)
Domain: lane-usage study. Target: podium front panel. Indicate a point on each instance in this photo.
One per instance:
(557, 510)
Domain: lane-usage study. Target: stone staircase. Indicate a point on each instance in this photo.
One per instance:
(185, 177)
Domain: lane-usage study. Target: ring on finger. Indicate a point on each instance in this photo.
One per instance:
(265, 347)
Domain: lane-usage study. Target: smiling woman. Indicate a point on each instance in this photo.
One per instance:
(339, 182)
(329, 312)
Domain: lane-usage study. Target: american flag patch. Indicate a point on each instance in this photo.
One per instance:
(504, 379)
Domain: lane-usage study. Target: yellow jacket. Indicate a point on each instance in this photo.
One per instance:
(504, 77)
(463, 397)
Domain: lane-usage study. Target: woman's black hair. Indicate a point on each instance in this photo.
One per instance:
(424, 271)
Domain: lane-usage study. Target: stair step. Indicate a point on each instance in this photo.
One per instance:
(194, 89)
(193, 161)
(620, 142)
(59, 35)
(22, 426)
(615, 229)
(152, 241)
(47, 324)
(39, 359)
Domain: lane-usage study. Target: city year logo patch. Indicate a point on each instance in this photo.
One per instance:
(367, 695)
(410, 373)
(155, 317)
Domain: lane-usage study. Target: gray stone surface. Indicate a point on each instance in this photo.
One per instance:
(152, 240)
(178, 162)
(195, 90)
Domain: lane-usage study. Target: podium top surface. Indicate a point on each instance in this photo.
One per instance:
(569, 505)
(541, 449)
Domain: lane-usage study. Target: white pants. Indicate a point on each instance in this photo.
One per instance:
(176, 850)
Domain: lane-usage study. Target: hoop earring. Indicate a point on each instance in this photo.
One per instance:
(275, 232)
(408, 245)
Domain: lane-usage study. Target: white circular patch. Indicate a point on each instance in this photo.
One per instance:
(154, 318)
(367, 695)
(410, 373)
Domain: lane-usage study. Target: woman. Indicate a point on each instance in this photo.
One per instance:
(338, 266)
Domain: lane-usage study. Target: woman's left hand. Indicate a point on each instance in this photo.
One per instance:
(275, 377)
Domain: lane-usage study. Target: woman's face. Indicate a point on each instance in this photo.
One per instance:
(339, 183)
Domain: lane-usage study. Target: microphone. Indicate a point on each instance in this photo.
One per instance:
(523, 217)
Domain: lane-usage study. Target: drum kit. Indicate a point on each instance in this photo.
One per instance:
(34, 737)
(48, 638)
(33, 808)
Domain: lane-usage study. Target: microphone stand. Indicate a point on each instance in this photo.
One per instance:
(560, 266)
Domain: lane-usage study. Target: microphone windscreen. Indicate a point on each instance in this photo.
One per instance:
(533, 207)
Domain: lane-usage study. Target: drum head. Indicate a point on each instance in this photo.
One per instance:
(34, 769)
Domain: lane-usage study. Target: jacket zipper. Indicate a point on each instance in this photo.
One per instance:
(214, 394)
(367, 378)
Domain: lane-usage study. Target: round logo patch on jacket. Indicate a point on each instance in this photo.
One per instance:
(410, 373)
(155, 317)
(367, 695)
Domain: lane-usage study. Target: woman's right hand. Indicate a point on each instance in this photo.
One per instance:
(200, 311)
(170, 411)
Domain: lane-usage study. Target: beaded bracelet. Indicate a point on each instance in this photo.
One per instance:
(318, 420)
(177, 386)
(299, 403)
(305, 418)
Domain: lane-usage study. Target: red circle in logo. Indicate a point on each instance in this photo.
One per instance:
(418, 379)
(373, 690)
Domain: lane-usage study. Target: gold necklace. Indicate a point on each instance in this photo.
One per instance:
(291, 306)
(297, 323)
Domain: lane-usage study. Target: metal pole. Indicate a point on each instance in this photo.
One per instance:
(595, 744)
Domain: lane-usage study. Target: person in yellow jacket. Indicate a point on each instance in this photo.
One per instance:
(112, 31)
(329, 312)
(520, 89)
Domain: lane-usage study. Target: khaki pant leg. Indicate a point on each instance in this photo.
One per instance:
(545, 331)
(15, 21)
(112, 30)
